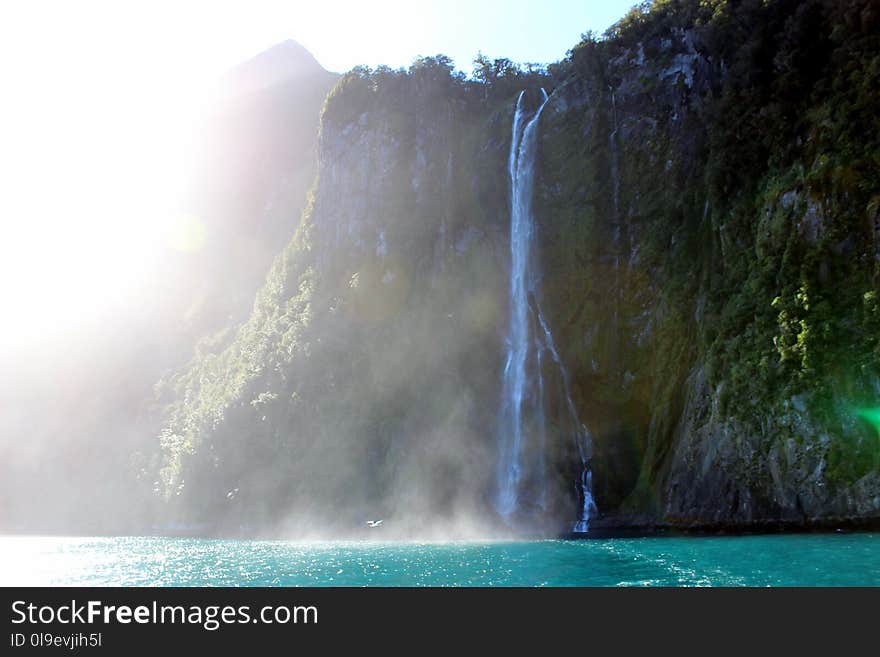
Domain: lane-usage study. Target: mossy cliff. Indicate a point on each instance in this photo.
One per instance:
(710, 215)
(707, 217)
(360, 385)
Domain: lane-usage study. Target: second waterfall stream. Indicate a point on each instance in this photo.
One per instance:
(522, 480)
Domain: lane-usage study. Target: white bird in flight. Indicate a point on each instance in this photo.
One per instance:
(374, 523)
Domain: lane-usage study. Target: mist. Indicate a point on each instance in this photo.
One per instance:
(361, 384)
(363, 318)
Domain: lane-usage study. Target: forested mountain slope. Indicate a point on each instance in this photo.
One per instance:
(706, 209)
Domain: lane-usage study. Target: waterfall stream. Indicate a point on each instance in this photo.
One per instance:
(522, 430)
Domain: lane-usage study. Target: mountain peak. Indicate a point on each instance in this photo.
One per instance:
(283, 62)
(288, 53)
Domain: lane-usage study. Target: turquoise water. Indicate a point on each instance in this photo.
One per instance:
(777, 560)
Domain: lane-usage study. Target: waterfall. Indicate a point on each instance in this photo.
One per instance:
(583, 440)
(521, 481)
(521, 170)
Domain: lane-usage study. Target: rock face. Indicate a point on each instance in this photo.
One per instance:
(706, 211)
(75, 434)
(257, 161)
(724, 341)
(365, 379)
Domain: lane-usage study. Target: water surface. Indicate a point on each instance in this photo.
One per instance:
(773, 560)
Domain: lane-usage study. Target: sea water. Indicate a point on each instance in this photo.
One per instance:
(769, 560)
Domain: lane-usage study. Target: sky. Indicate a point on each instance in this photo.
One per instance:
(100, 98)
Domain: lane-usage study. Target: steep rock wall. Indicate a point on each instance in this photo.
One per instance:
(707, 215)
(709, 245)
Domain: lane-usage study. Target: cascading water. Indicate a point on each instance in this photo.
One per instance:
(583, 441)
(520, 169)
(523, 390)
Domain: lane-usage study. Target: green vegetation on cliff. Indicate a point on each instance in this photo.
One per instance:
(730, 199)
(708, 215)
(371, 349)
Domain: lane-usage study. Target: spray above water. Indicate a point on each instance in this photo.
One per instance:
(522, 435)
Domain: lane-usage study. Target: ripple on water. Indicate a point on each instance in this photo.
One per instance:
(786, 560)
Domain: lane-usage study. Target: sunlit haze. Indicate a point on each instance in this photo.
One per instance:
(471, 293)
(101, 100)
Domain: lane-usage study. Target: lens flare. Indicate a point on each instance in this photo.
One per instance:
(872, 415)
(187, 234)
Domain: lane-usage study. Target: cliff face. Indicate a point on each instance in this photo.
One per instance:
(257, 158)
(76, 435)
(361, 384)
(706, 211)
(710, 207)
